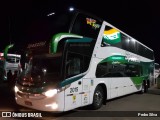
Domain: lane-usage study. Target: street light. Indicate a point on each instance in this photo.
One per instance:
(71, 9)
(51, 14)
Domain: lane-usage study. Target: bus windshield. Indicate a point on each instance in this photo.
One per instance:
(46, 65)
(44, 27)
(12, 59)
(42, 69)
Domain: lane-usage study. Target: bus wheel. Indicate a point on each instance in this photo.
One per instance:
(146, 85)
(143, 88)
(98, 98)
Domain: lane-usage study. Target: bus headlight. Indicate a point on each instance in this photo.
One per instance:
(50, 93)
(16, 89)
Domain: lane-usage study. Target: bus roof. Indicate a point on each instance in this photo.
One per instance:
(14, 55)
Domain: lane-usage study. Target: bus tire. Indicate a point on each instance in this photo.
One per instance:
(98, 98)
(146, 85)
(142, 89)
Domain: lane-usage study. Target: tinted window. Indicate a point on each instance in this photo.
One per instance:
(128, 44)
(133, 46)
(74, 64)
(50, 64)
(101, 70)
(116, 74)
(117, 70)
(132, 70)
(86, 62)
(145, 52)
(156, 66)
(125, 42)
(13, 59)
(112, 37)
(44, 27)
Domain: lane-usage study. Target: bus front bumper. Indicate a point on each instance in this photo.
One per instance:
(41, 102)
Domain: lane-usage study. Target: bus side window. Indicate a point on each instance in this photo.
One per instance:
(111, 37)
(101, 70)
(73, 65)
(104, 43)
(133, 70)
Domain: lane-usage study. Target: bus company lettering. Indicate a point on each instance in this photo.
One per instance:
(39, 44)
(132, 58)
(92, 22)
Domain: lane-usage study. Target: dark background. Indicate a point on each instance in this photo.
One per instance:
(138, 18)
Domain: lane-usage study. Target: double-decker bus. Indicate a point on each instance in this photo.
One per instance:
(86, 61)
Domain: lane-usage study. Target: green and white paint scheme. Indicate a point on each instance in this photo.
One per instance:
(112, 36)
(56, 38)
(145, 67)
(79, 90)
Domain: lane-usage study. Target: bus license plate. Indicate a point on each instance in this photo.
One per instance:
(28, 103)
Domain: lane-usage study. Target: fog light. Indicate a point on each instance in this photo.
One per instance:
(53, 106)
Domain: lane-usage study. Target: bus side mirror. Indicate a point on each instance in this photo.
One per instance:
(58, 37)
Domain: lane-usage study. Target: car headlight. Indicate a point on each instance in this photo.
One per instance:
(16, 89)
(50, 93)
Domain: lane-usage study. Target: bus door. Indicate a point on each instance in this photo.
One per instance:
(73, 91)
(87, 82)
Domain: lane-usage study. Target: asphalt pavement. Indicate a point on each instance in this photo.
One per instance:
(128, 105)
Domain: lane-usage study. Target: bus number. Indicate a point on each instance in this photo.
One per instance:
(74, 89)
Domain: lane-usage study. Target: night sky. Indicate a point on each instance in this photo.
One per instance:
(138, 18)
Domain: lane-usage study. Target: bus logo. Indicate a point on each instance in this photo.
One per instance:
(111, 36)
(93, 23)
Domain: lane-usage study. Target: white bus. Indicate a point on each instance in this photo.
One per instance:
(12, 62)
(86, 64)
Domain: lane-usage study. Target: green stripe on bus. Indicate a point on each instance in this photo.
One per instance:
(70, 80)
(57, 37)
(137, 80)
(124, 59)
(81, 40)
(118, 58)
